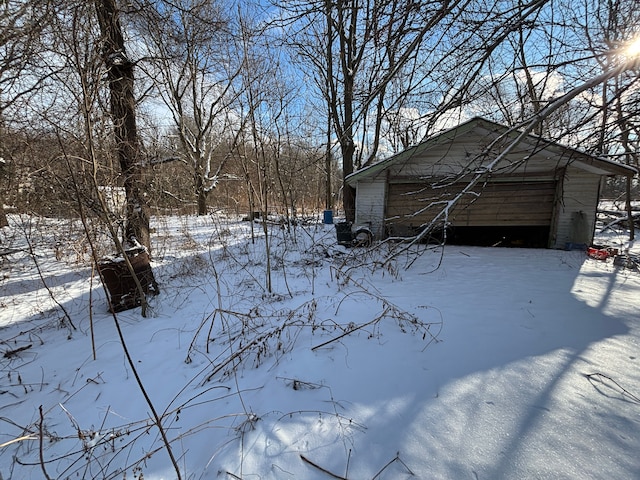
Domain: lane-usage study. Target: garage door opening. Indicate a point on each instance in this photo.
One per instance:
(500, 236)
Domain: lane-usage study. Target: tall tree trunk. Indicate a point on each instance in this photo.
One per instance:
(3, 216)
(624, 128)
(330, 97)
(345, 122)
(121, 80)
(348, 192)
(201, 192)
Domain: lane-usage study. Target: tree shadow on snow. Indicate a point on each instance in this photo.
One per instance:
(504, 394)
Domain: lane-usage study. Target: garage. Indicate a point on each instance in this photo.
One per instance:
(539, 194)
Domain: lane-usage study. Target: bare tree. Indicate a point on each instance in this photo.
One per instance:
(370, 58)
(354, 50)
(3, 217)
(608, 32)
(522, 76)
(123, 111)
(193, 62)
(21, 24)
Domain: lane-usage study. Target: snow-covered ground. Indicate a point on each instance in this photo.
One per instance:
(478, 363)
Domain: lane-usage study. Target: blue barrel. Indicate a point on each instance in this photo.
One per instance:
(328, 217)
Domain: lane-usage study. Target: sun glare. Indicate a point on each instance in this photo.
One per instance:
(633, 48)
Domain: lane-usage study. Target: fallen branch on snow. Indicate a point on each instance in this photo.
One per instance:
(592, 377)
(11, 353)
(331, 474)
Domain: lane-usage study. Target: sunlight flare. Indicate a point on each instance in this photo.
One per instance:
(633, 48)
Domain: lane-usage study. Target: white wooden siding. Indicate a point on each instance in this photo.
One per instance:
(370, 198)
(576, 214)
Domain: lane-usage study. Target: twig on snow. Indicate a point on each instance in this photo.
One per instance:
(395, 459)
(348, 332)
(19, 439)
(590, 377)
(41, 447)
(11, 353)
(331, 474)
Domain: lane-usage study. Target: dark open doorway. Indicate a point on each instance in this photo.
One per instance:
(513, 236)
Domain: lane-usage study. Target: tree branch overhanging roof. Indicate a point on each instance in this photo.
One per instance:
(489, 128)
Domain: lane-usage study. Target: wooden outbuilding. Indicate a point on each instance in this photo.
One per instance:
(486, 186)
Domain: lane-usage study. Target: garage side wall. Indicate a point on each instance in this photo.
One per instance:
(370, 200)
(576, 212)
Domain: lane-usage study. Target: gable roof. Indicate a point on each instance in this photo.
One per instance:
(489, 129)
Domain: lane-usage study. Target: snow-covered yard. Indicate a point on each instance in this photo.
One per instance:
(479, 363)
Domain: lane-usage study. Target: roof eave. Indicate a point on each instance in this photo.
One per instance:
(601, 166)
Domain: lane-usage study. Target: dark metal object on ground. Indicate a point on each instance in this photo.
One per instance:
(348, 237)
(627, 261)
(123, 291)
